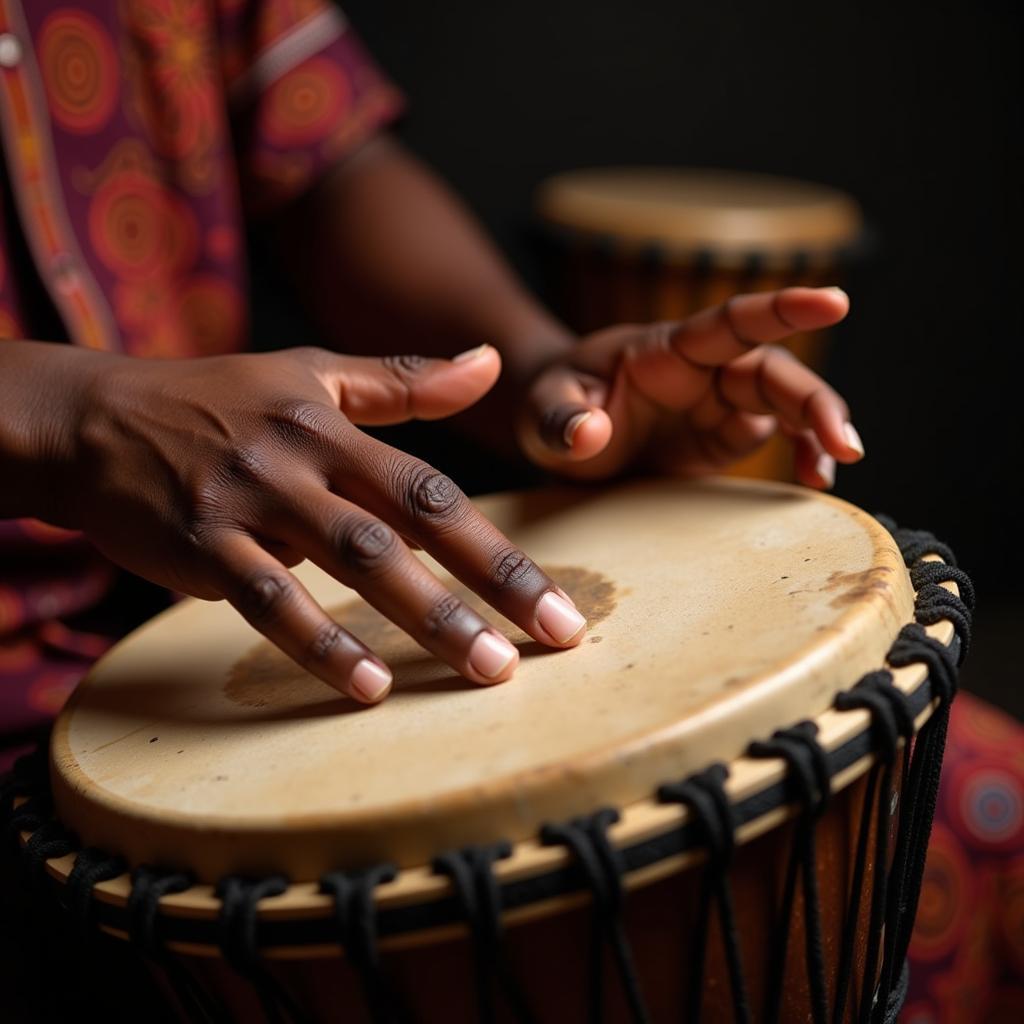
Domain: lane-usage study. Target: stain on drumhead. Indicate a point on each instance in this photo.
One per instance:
(264, 677)
(857, 587)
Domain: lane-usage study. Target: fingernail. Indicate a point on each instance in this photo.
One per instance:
(825, 467)
(559, 618)
(370, 680)
(573, 425)
(472, 353)
(853, 438)
(490, 655)
(838, 291)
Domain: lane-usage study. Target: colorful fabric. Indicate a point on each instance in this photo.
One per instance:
(967, 954)
(139, 137)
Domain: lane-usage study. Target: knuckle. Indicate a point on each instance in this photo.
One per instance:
(208, 512)
(444, 614)
(364, 545)
(510, 568)
(432, 497)
(307, 353)
(404, 366)
(300, 422)
(327, 638)
(263, 597)
(248, 465)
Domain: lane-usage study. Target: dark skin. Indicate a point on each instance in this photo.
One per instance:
(215, 476)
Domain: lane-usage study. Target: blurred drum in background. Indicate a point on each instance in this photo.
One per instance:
(643, 243)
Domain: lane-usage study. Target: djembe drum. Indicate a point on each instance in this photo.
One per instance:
(640, 243)
(716, 807)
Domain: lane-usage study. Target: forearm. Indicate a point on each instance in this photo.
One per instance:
(40, 389)
(389, 260)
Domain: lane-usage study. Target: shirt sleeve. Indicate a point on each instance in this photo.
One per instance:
(303, 93)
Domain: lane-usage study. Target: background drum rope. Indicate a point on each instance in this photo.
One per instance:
(25, 800)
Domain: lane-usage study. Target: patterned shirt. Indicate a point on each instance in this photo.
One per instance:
(139, 138)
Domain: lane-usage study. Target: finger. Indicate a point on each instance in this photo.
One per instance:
(274, 602)
(419, 502)
(772, 380)
(367, 555)
(392, 389)
(734, 437)
(564, 419)
(813, 465)
(716, 336)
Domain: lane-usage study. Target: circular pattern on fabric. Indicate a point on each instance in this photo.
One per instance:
(171, 57)
(223, 243)
(945, 902)
(12, 609)
(48, 692)
(80, 69)
(139, 228)
(306, 104)
(981, 728)
(17, 656)
(988, 801)
(212, 314)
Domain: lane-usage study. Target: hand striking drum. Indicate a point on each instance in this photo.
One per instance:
(715, 808)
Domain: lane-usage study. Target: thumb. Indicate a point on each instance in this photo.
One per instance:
(564, 420)
(393, 389)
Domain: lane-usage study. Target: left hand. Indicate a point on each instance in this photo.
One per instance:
(692, 397)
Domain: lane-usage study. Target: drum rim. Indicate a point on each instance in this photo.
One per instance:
(568, 205)
(419, 906)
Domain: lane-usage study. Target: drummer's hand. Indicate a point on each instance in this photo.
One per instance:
(693, 397)
(212, 476)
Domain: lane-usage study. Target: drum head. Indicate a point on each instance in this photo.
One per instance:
(727, 213)
(718, 611)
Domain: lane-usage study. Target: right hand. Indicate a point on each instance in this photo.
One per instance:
(213, 476)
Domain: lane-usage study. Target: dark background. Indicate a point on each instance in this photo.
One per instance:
(913, 109)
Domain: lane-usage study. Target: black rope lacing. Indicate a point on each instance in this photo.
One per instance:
(811, 785)
(239, 942)
(356, 917)
(921, 788)
(915, 544)
(935, 603)
(471, 872)
(704, 794)
(28, 779)
(50, 839)
(91, 867)
(149, 886)
(601, 863)
(921, 771)
(891, 721)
